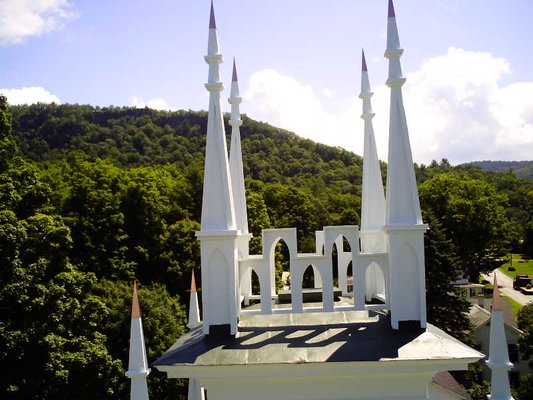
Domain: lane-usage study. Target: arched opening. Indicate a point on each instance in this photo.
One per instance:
(309, 292)
(346, 245)
(282, 266)
(341, 262)
(349, 278)
(375, 284)
(308, 281)
(256, 286)
(335, 265)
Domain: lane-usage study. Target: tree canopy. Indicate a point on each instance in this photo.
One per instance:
(92, 198)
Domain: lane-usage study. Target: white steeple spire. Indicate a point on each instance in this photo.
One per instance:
(403, 206)
(138, 365)
(498, 360)
(403, 221)
(217, 203)
(219, 236)
(373, 197)
(235, 157)
(194, 309)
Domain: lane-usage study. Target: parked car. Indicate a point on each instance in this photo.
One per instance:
(520, 281)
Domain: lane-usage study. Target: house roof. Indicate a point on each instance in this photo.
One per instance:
(315, 337)
(480, 316)
(447, 381)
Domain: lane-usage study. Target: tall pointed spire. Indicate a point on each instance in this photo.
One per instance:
(138, 364)
(217, 203)
(235, 157)
(498, 360)
(219, 236)
(403, 220)
(194, 309)
(373, 197)
(403, 206)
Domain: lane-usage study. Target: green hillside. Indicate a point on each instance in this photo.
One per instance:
(92, 198)
(522, 169)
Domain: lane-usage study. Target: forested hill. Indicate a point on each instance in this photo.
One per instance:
(92, 198)
(523, 169)
(142, 136)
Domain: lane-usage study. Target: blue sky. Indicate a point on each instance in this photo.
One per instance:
(468, 96)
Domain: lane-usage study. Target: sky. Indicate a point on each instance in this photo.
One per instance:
(468, 64)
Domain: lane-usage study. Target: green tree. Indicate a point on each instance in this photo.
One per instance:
(47, 327)
(525, 323)
(525, 390)
(446, 308)
(473, 214)
(48, 322)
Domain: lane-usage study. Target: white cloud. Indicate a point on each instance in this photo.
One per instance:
(20, 19)
(156, 104)
(283, 101)
(456, 109)
(29, 95)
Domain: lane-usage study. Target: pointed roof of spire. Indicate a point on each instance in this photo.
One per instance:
(363, 67)
(234, 76)
(212, 22)
(496, 301)
(392, 14)
(135, 308)
(193, 282)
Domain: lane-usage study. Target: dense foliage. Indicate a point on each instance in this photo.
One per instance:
(98, 197)
(523, 169)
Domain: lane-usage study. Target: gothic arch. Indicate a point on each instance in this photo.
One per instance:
(375, 282)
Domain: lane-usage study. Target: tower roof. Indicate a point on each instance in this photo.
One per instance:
(363, 66)
(135, 307)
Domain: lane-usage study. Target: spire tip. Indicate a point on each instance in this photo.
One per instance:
(212, 22)
(496, 301)
(363, 67)
(234, 77)
(135, 308)
(193, 282)
(392, 14)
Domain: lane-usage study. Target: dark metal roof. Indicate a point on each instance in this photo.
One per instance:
(313, 337)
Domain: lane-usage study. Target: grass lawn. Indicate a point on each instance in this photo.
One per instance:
(522, 266)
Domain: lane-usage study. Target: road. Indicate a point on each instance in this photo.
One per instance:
(506, 287)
